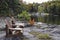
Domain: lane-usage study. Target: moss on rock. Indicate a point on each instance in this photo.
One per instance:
(41, 36)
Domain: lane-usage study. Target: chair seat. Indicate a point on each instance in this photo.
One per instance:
(15, 28)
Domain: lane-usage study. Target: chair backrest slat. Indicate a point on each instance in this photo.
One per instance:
(8, 23)
(13, 19)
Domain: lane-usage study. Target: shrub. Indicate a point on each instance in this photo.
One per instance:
(24, 15)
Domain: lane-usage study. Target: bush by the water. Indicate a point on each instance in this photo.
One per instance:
(24, 15)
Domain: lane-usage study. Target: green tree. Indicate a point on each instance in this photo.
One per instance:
(54, 8)
(40, 9)
(24, 15)
(9, 6)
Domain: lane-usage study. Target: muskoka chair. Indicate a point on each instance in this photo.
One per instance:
(10, 30)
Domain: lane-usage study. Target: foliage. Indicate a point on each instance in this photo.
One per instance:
(51, 7)
(54, 8)
(31, 7)
(3, 7)
(24, 15)
(9, 7)
(14, 7)
(40, 9)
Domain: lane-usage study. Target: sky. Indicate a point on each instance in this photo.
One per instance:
(36, 1)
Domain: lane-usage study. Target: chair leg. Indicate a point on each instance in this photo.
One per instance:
(7, 31)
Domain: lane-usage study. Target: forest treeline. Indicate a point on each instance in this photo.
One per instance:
(15, 7)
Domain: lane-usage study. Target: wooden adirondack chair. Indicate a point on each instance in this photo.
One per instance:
(9, 29)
